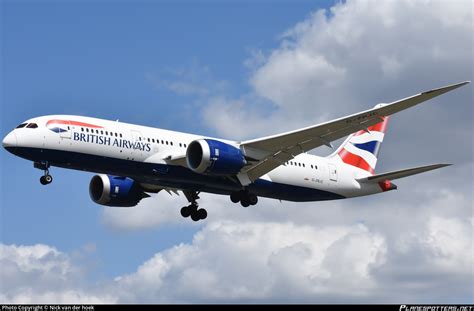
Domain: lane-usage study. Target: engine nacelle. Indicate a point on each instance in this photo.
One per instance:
(115, 191)
(213, 157)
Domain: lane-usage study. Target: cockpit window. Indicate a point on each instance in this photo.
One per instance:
(32, 126)
(21, 125)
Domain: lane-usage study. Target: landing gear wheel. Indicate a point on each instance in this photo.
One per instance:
(252, 199)
(245, 202)
(202, 213)
(46, 179)
(235, 197)
(186, 211)
(199, 214)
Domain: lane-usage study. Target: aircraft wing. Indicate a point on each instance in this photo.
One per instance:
(267, 153)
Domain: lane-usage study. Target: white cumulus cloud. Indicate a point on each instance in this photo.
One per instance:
(42, 274)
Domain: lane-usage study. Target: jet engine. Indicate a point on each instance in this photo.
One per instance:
(213, 157)
(115, 191)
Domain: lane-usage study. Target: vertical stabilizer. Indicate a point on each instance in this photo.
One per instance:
(362, 148)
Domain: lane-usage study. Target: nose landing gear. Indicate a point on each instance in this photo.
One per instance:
(46, 178)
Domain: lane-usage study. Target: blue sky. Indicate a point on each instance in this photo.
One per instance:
(240, 69)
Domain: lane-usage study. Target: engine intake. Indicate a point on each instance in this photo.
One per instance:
(213, 157)
(115, 191)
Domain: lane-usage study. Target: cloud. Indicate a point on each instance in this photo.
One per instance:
(230, 261)
(359, 47)
(158, 210)
(272, 261)
(42, 274)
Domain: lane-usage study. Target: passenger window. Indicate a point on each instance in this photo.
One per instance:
(101, 132)
(87, 130)
(21, 125)
(171, 143)
(153, 140)
(82, 129)
(120, 135)
(162, 142)
(32, 126)
(148, 139)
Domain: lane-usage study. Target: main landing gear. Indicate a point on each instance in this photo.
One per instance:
(244, 197)
(193, 209)
(46, 178)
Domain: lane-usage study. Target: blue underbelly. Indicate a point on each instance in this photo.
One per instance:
(170, 176)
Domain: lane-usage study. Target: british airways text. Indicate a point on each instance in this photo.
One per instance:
(111, 141)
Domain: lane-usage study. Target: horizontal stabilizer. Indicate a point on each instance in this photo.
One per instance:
(401, 173)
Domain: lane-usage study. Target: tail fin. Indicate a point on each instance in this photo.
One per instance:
(362, 148)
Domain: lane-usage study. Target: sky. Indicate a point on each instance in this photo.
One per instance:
(240, 70)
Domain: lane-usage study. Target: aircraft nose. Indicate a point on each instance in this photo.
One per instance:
(10, 142)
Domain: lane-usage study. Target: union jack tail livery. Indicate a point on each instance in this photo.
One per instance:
(361, 149)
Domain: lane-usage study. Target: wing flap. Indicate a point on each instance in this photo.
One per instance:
(401, 173)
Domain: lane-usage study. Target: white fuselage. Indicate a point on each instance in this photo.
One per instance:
(144, 153)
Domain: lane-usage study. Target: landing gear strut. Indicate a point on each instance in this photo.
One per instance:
(46, 178)
(244, 197)
(193, 209)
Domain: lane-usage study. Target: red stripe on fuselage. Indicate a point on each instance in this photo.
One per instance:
(70, 122)
(355, 160)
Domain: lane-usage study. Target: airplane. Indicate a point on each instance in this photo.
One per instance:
(132, 161)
